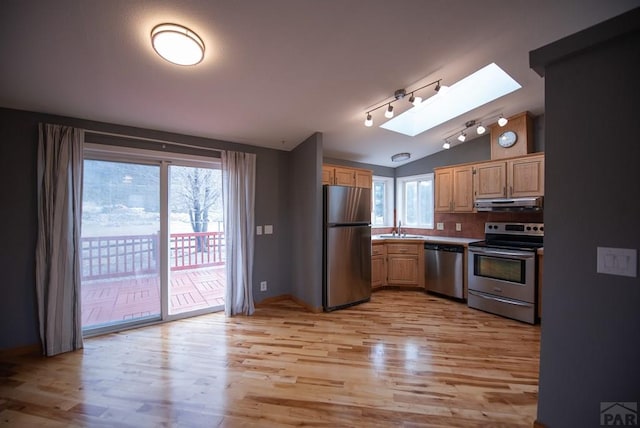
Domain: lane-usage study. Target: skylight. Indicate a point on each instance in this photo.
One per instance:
(485, 85)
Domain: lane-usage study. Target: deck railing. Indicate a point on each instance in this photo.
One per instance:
(118, 256)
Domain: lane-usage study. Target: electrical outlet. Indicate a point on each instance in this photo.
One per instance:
(440, 226)
(458, 227)
(268, 229)
(263, 285)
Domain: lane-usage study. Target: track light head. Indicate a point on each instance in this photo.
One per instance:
(462, 137)
(446, 145)
(481, 129)
(389, 112)
(415, 100)
(368, 121)
(502, 121)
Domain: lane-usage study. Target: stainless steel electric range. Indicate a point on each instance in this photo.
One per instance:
(502, 270)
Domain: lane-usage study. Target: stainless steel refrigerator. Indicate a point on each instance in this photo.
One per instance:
(347, 246)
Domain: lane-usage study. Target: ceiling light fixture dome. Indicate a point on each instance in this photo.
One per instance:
(399, 157)
(177, 44)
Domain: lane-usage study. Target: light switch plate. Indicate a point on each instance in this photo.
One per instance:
(268, 229)
(258, 230)
(440, 226)
(617, 261)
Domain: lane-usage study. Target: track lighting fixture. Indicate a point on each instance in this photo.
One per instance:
(462, 135)
(502, 121)
(398, 95)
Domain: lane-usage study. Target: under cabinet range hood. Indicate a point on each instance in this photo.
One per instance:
(510, 204)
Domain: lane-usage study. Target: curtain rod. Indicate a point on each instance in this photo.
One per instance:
(153, 140)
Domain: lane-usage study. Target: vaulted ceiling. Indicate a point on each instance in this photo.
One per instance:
(276, 71)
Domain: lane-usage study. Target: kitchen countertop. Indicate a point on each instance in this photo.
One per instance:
(428, 238)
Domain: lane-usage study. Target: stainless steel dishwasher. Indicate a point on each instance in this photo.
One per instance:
(444, 269)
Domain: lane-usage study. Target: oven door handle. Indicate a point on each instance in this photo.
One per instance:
(520, 255)
(497, 299)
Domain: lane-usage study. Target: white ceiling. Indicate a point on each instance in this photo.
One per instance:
(276, 71)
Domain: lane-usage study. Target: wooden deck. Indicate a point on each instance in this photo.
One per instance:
(122, 299)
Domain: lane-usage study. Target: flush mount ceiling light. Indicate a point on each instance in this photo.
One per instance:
(177, 44)
(479, 88)
(399, 157)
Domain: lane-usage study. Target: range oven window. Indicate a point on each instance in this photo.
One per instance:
(512, 270)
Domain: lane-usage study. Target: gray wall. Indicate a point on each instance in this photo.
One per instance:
(306, 213)
(18, 218)
(590, 329)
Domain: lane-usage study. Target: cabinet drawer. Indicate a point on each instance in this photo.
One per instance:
(378, 250)
(402, 248)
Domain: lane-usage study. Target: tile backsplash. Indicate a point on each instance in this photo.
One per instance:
(472, 223)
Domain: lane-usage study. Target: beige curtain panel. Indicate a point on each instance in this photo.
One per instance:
(239, 181)
(60, 161)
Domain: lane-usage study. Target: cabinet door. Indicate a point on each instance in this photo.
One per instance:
(444, 189)
(364, 179)
(327, 175)
(491, 180)
(344, 176)
(463, 189)
(402, 269)
(526, 177)
(378, 271)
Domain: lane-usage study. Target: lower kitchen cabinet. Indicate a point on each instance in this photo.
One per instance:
(378, 265)
(405, 264)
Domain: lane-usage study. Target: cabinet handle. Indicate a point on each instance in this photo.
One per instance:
(510, 190)
(504, 190)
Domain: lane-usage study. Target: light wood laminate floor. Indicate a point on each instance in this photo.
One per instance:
(403, 359)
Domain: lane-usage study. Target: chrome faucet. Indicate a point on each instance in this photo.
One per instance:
(400, 228)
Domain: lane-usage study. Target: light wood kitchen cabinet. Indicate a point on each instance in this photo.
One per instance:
(454, 189)
(512, 178)
(405, 264)
(345, 176)
(378, 265)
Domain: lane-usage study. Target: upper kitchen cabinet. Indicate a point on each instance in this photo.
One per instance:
(346, 176)
(511, 178)
(454, 189)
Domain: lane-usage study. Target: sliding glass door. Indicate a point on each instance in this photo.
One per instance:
(120, 243)
(196, 241)
(152, 238)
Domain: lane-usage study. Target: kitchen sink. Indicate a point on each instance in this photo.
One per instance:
(396, 236)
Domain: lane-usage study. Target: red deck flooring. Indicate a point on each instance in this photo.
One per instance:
(122, 299)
